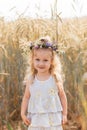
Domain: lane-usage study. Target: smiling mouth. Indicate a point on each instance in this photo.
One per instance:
(41, 67)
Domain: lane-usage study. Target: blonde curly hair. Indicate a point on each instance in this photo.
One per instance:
(55, 69)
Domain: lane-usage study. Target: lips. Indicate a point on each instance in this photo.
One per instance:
(41, 67)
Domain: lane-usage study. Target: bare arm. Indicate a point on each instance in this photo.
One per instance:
(63, 100)
(24, 104)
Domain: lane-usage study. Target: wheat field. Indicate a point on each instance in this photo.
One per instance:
(71, 35)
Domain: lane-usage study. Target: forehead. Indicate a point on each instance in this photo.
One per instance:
(42, 53)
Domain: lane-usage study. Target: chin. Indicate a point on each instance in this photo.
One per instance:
(42, 71)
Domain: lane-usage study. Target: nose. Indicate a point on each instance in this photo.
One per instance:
(41, 63)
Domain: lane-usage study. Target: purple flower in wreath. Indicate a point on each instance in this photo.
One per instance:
(48, 45)
(36, 47)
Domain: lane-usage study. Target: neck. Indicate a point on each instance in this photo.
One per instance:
(43, 76)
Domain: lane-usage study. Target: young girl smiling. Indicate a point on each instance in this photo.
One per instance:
(44, 98)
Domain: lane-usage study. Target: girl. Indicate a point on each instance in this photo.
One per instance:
(44, 98)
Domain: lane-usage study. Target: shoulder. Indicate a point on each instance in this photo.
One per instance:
(58, 81)
(28, 80)
(27, 83)
(60, 86)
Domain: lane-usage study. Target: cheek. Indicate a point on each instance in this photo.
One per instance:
(49, 64)
(35, 63)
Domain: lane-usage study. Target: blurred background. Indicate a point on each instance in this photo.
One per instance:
(65, 21)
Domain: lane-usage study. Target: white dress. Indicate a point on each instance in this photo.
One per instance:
(44, 108)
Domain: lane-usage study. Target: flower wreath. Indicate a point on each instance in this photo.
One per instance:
(42, 43)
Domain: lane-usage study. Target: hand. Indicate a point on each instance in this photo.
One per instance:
(64, 120)
(26, 120)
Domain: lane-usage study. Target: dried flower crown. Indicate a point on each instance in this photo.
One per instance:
(43, 43)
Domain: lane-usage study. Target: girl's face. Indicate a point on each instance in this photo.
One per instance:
(42, 60)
